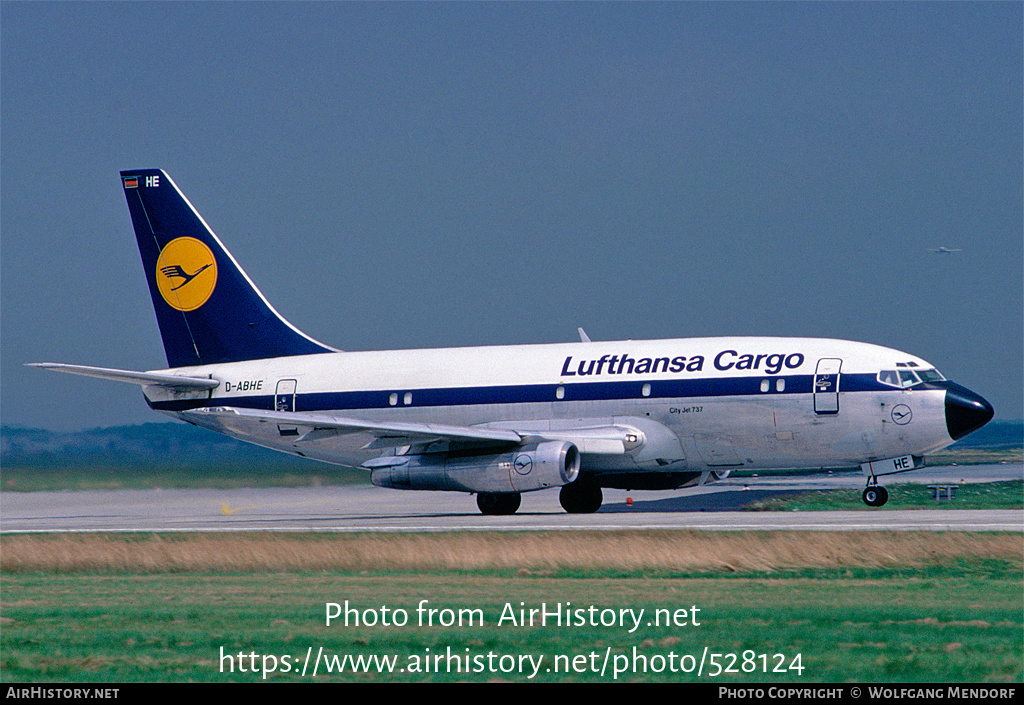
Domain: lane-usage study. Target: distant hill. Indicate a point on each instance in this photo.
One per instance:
(182, 444)
(151, 444)
(152, 455)
(996, 435)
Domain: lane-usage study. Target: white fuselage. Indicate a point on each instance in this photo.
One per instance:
(729, 402)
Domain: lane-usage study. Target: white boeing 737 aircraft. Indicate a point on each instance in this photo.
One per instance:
(500, 421)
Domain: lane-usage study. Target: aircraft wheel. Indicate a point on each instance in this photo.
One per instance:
(580, 498)
(883, 496)
(875, 496)
(498, 503)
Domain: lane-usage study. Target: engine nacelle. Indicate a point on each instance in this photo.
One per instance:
(548, 464)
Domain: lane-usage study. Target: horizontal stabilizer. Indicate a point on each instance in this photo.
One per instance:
(143, 378)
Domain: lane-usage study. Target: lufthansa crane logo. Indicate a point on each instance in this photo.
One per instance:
(902, 414)
(523, 464)
(186, 273)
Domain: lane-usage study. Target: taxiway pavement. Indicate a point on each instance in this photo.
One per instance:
(366, 508)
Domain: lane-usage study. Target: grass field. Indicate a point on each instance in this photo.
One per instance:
(145, 476)
(982, 495)
(773, 606)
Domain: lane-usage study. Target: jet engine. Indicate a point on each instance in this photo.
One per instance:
(547, 464)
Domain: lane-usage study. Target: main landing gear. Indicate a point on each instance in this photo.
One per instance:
(874, 494)
(580, 498)
(576, 498)
(498, 503)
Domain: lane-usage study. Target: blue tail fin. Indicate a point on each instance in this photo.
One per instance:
(208, 309)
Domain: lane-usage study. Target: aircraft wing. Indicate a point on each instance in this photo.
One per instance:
(386, 434)
(178, 382)
(599, 439)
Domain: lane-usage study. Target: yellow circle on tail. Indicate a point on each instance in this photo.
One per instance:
(186, 273)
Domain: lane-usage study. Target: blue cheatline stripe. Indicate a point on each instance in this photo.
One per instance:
(534, 393)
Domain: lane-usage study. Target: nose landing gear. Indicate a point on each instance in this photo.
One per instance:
(874, 494)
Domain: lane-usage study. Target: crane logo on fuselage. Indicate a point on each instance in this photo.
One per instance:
(901, 414)
(186, 273)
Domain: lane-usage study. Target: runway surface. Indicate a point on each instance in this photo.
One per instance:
(367, 508)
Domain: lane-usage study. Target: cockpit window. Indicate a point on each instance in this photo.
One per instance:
(908, 378)
(904, 378)
(889, 377)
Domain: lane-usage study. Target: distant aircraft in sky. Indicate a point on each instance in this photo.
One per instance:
(500, 421)
(945, 250)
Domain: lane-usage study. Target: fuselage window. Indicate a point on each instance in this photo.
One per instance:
(780, 385)
(765, 385)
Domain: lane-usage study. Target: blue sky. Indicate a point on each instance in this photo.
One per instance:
(410, 175)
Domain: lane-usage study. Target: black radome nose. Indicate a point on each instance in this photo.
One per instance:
(965, 411)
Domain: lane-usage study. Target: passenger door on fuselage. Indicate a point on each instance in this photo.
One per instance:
(826, 386)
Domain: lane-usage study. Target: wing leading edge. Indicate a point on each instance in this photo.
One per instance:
(316, 427)
(307, 427)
